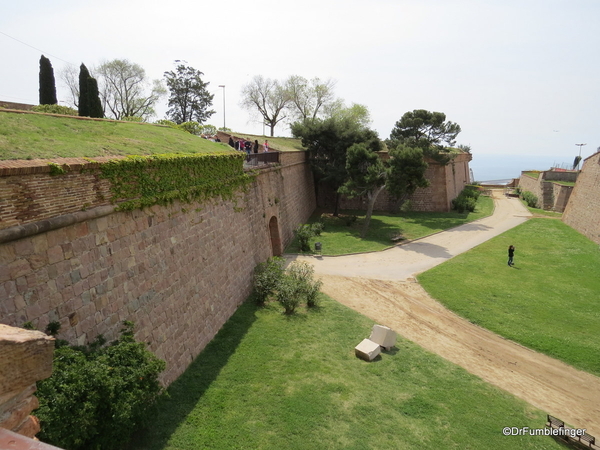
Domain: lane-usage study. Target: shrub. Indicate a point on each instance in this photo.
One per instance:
(55, 109)
(98, 395)
(462, 204)
(467, 199)
(267, 276)
(306, 232)
(191, 127)
(289, 293)
(530, 198)
(302, 274)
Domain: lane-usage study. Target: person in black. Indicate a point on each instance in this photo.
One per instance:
(255, 149)
(231, 143)
(511, 255)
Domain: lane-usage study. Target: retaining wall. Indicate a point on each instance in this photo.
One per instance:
(179, 271)
(446, 182)
(583, 210)
(550, 193)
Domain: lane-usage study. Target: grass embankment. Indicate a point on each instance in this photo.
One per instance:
(33, 136)
(547, 302)
(272, 381)
(339, 238)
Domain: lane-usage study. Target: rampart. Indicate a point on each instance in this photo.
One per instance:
(446, 182)
(178, 271)
(551, 194)
(583, 210)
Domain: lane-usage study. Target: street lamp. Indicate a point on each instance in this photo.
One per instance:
(580, 145)
(223, 86)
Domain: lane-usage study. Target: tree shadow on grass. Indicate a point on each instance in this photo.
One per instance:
(184, 393)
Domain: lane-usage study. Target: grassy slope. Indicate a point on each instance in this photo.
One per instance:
(270, 381)
(549, 302)
(32, 136)
(339, 238)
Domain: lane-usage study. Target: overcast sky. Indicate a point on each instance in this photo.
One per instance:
(521, 78)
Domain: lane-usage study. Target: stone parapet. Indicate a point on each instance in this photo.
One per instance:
(25, 358)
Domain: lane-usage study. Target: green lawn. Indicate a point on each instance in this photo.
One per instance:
(547, 302)
(31, 136)
(269, 381)
(339, 238)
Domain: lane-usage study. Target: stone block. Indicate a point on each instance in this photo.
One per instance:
(383, 336)
(26, 357)
(367, 350)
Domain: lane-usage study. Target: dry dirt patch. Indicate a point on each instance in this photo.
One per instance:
(404, 306)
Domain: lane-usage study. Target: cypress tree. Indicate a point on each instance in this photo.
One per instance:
(84, 91)
(47, 83)
(94, 99)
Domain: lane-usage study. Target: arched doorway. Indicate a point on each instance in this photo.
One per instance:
(275, 238)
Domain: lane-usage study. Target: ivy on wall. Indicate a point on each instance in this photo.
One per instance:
(142, 181)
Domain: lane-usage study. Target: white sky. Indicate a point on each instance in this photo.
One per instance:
(519, 76)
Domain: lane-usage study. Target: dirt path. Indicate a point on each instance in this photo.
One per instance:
(379, 285)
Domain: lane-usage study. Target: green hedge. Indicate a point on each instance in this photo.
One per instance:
(97, 396)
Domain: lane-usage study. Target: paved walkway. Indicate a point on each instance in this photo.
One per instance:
(404, 261)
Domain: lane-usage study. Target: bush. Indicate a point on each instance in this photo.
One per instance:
(530, 198)
(97, 396)
(267, 276)
(55, 109)
(467, 199)
(191, 127)
(304, 233)
(288, 293)
(462, 204)
(302, 274)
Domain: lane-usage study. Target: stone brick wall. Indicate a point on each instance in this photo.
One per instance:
(583, 209)
(533, 185)
(179, 272)
(551, 195)
(29, 194)
(446, 182)
(26, 357)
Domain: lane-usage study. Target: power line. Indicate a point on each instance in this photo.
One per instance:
(35, 48)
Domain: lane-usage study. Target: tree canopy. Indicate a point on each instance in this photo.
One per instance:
(189, 98)
(369, 174)
(426, 130)
(126, 91)
(309, 99)
(89, 104)
(327, 142)
(47, 83)
(268, 98)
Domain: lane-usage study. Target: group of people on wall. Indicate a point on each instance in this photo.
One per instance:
(243, 145)
(249, 147)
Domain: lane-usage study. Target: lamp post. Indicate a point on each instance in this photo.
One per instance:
(580, 145)
(223, 86)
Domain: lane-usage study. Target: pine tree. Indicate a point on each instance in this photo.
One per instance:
(84, 91)
(95, 104)
(47, 83)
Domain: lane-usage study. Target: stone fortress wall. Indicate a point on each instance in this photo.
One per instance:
(583, 210)
(178, 271)
(547, 188)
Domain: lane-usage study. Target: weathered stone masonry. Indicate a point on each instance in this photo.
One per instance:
(179, 272)
(583, 210)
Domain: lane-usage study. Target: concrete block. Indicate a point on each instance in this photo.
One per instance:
(383, 336)
(367, 350)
